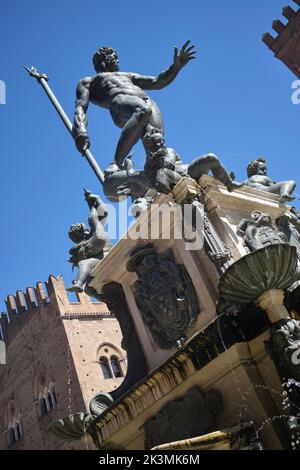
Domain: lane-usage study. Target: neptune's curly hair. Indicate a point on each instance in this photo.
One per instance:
(101, 56)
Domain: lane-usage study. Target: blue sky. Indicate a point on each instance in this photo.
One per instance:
(234, 100)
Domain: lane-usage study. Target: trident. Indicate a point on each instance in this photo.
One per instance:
(42, 78)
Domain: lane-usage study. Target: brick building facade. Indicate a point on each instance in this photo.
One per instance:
(58, 355)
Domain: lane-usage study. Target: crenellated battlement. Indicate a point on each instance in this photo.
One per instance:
(49, 296)
(25, 301)
(285, 43)
(280, 28)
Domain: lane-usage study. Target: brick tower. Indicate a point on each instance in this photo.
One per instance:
(58, 355)
(286, 45)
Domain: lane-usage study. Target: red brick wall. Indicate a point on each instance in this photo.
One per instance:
(50, 339)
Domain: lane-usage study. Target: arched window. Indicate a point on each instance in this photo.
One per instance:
(14, 433)
(18, 431)
(43, 407)
(116, 368)
(50, 401)
(54, 396)
(10, 437)
(105, 367)
(47, 401)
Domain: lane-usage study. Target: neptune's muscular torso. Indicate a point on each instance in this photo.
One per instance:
(106, 86)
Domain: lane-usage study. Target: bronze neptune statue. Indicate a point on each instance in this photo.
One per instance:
(122, 93)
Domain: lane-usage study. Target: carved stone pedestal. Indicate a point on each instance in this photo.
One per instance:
(272, 303)
(165, 300)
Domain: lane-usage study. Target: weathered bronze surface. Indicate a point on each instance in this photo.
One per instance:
(91, 243)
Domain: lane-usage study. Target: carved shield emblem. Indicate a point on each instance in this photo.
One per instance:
(164, 294)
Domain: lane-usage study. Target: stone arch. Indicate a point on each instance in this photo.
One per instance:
(111, 350)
